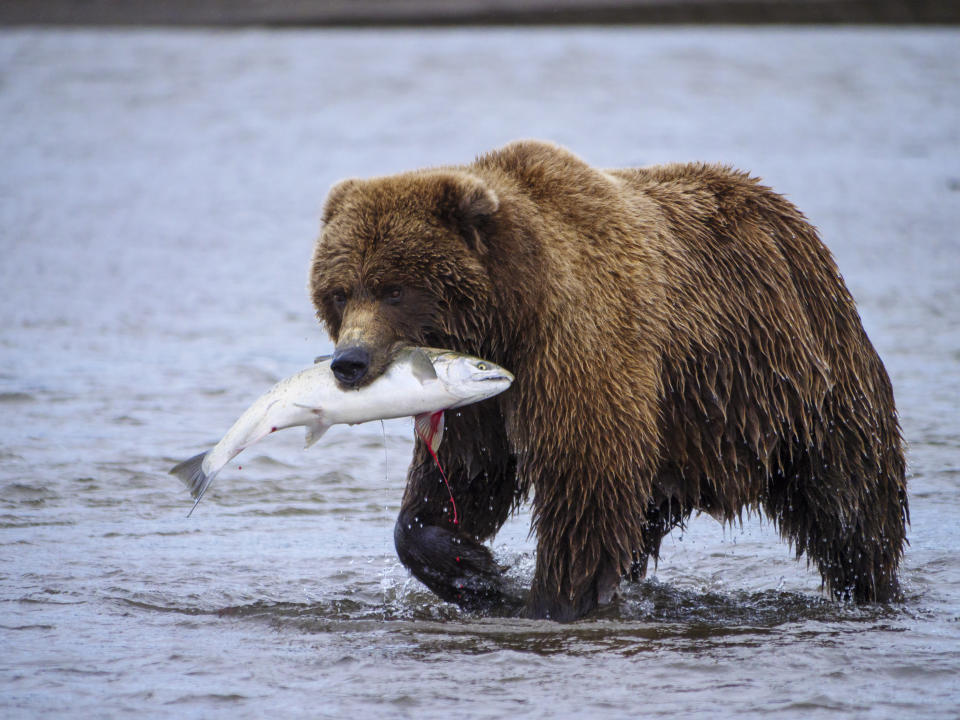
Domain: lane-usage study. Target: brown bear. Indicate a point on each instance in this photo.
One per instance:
(681, 339)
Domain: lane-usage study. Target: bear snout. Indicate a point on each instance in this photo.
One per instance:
(350, 365)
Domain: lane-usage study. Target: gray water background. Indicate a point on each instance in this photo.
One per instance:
(159, 195)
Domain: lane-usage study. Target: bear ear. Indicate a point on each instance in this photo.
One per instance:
(335, 198)
(471, 204)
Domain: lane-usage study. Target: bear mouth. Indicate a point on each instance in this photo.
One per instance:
(376, 365)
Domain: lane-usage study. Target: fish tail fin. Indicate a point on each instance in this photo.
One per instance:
(314, 433)
(191, 473)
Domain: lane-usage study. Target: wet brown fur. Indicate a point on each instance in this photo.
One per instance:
(681, 340)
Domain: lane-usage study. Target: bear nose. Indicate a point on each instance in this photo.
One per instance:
(350, 365)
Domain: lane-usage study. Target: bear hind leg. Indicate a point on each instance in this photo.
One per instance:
(848, 518)
(660, 520)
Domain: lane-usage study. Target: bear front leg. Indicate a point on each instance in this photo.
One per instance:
(452, 564)
(557, 595)
(445, 556)
(578, 569)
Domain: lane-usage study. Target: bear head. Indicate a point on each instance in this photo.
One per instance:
(401, 260)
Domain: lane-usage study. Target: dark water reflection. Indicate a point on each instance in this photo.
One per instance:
(648, 617)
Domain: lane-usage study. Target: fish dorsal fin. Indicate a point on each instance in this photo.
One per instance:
(429, 427)
(423, 369)
(314, 433)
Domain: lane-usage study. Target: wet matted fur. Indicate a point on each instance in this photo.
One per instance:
(681, 339)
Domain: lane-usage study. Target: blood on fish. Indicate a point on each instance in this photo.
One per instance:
(446, 482)
(434, 426)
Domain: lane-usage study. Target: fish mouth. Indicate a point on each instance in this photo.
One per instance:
(504, 376)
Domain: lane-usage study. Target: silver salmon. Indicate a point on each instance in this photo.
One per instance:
(422, 382)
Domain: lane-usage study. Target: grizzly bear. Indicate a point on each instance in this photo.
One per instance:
(681, 339)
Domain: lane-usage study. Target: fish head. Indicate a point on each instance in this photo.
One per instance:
(468, 378)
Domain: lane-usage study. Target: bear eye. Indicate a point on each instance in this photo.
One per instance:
(339, 298)
(393, 294)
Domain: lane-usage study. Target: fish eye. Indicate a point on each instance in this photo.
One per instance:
(481, 366)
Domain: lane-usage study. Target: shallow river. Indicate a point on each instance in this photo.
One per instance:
(159, 195)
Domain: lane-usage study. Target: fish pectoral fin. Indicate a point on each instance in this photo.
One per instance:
(429, 427)
(315, 429)
(421, 366)
(314, 433)
(311, 408)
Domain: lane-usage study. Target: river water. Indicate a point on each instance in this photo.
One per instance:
(159, 195)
